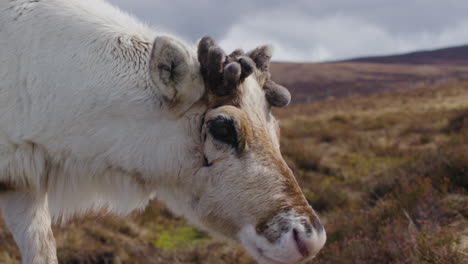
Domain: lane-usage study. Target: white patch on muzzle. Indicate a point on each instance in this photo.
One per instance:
(286, 248)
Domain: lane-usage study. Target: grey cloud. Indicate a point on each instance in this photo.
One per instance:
(305, 30)
(192, 19)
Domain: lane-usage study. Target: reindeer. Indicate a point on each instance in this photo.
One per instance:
(98, 111)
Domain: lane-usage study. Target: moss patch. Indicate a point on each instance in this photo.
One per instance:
(179, 237)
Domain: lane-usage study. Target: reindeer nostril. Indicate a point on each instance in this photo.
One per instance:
(301, 246)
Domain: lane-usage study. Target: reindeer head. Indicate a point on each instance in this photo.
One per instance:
(244, 189)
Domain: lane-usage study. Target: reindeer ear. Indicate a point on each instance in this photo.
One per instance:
(169, 65)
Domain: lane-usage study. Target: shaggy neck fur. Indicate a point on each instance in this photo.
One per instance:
(73, 74)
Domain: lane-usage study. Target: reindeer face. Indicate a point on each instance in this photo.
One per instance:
(249, 192)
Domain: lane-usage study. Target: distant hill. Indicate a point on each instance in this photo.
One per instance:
(453, 55)
(318, 81)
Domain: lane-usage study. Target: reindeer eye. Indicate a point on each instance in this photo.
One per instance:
(223, 129)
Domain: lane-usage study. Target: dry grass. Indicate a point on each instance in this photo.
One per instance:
(388, 174)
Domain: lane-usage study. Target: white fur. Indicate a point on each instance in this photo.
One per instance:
(28, 218)
(85, 124)
(69, 121)
(80, 119)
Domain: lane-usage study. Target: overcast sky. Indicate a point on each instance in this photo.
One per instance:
(312, 30)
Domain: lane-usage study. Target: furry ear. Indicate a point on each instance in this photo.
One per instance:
(169, 66)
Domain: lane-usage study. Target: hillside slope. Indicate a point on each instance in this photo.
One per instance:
(451, 56)
(317, 81)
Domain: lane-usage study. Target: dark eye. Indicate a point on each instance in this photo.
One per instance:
(223, 129)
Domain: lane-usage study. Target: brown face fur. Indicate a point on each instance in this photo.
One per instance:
(258, 140)
(245, 180)
(261, 136)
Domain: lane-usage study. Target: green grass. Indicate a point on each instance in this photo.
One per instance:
(179, 237)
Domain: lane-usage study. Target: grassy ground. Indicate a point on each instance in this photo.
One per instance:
(387, 173)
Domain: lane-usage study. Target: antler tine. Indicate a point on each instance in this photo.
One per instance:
(215, 62)
(275, 94)
(262, 56)
(232, 74)
(203, 48)
(247, 65)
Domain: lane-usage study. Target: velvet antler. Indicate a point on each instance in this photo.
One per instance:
(224, 73)
(277, 95)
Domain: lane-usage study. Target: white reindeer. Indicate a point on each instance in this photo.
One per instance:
(99, 111)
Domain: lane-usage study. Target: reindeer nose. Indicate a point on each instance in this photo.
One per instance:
(305, 239)
(288, 237)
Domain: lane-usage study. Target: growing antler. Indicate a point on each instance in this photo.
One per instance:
(277, 95)
(224, 73)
